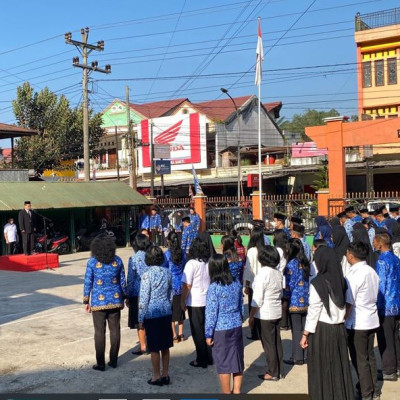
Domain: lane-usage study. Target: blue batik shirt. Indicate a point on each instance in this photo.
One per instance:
(188, 235)
(155, 222)
(287, 232)
(307, 249)
(104, 284)
(236, 268)
(388, 269)
(176, 272)
(195, 221)
(267, 242)
(297, 286)
(371, 235)
(144, 221)
(155, 293)
(224, 307)
(380, 224)
(136, 268)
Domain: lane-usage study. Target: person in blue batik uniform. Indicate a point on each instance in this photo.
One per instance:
(379, 218)
(103, 296)
(155, 313)
(188, 235)
(155, 226)
(223, 324)
(388, 270)
(136, 268)
(234, 261)
(297, 273)
(194, 219)
(176, 260)
(297, 232)
(324, 230)
(144, 220)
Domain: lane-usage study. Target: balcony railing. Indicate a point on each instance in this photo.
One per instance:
(377, 19)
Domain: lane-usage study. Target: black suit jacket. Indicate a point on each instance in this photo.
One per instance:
(27, 223)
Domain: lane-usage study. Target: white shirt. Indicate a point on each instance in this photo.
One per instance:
(11, 232)
(196, 275)
(317, 312)
(313, 271)
(345, 266)
(282, 264)
(267, 293)
(362, 294)
(252, 265)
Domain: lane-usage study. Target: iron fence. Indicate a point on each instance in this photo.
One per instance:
(359, 200)
(377, 19)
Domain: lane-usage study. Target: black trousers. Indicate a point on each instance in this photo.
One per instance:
(297, 323)
(361, 349)
(388, 336)
(11, 248)
(197, 322)
(156, 237)
(113, 318)
(270, 334)
(28, 243)
(285, 314)
(256, 327)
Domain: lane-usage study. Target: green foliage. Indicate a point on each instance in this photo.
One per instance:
(60, 128)
(322, 177)
(309, 118)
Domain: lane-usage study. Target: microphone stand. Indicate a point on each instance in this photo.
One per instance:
(46, 237)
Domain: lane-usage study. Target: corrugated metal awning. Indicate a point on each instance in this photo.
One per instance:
(47, 195)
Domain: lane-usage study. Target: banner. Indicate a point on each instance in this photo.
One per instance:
(186, 136)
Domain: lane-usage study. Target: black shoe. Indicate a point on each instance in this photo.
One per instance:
(165, 380)
(284, 328)
(140, 353)
(293, 362)
(252, 338)
(112, 365)
(157, 382)
(272, 378)
(390, 377)
(99, 367)
(197, 365)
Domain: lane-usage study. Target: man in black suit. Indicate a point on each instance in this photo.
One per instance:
(27, 225)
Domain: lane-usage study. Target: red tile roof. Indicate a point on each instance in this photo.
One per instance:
(158, 108)
(271, 106)
(220, 109)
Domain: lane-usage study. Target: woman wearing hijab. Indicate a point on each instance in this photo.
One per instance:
(329, 375)
(396, 238)
(341, 242)
(360, 234)
(324, 230)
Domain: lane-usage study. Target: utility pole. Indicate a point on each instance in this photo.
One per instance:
(85, 49)
(131, 145)
(116, 146)
(152, 159)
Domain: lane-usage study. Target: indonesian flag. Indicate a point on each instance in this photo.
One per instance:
(260, 57)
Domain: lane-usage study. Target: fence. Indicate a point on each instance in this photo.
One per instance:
(371, 201)
(225, 213)
(377, 19)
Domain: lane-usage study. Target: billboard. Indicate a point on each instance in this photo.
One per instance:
(185, 135)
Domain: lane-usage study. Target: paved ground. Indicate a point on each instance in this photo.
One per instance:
(46, 344)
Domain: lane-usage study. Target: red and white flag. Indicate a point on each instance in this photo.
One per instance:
(260, 57)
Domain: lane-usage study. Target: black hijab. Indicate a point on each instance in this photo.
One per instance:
(396, 232)
(360, 234)
(329, 282)
(341, 242)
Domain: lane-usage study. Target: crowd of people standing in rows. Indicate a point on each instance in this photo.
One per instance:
(334, 296)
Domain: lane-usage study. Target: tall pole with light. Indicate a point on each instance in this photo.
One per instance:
(223, 90)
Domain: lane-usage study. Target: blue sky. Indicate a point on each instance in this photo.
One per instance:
(178, 49)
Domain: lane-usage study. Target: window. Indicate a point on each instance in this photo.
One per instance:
(379, 74)
(366, 74)
(392, 71)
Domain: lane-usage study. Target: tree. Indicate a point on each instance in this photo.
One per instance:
(60, 132)
(321, 180)
(309, 118)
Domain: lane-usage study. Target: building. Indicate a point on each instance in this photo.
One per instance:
(222, 131)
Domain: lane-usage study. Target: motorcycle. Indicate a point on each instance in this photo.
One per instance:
(55, 244)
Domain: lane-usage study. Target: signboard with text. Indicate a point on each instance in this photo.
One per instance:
(162, 167)
(253, 180)
(185, 135)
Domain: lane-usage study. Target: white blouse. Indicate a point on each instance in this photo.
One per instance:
(252, 265)
(317, 312)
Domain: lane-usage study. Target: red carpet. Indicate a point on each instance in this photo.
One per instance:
(23, 263)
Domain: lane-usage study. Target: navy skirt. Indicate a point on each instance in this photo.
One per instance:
(177, 313)
(133, 314)
(158, 333)
(228, 351)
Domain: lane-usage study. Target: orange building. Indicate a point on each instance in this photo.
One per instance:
(377, 36)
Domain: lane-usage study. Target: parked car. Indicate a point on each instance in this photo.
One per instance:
(375, 204)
